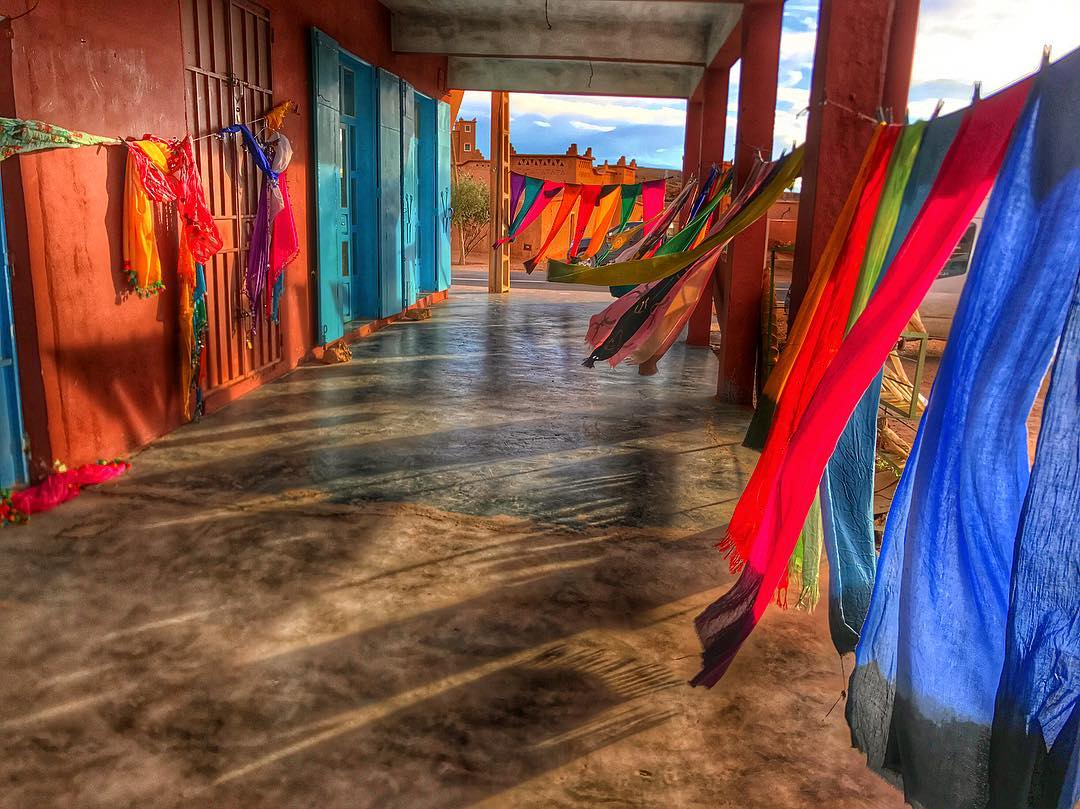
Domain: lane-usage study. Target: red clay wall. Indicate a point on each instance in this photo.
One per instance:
(100, 373)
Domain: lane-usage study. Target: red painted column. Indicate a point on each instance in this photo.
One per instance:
(691, 158)
(741, 275)
(713, 131)
(900, 58)
(863, 62)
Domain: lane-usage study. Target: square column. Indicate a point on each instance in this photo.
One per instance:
(742, 274)
(499, 262)
(863, 61)
(691, 159)
(712, 136)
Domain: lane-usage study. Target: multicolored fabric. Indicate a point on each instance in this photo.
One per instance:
(785, 171)
(968, 651)
(606, 211)
(652, 200)
(846, 494)
(820, 395)
(761, 421)
(590, 199)
(517, 187)
(631, 193)
(145, 183)
(529, 213)
(271, 203)
(284, 240)
(642, 324)
(21, 135)
(570, 197)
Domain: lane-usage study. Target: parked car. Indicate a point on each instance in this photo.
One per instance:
(939, 306)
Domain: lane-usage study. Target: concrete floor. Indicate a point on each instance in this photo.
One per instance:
(458, 571)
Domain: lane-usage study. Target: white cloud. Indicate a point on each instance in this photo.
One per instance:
(792, 78)
(542, 123)
(609, 110)
(661, 150)
(591, 127)
(993, 41)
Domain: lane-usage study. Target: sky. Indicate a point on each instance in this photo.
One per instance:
(958, 42)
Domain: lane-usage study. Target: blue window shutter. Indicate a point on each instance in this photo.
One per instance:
(326, 139)
(442, 198)
(390, 201)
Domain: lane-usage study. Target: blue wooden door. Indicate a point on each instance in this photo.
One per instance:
(360, 111)
(331, 189)
(442, 197)
(410, 197)
(12, 452)
(391, 292)
(427, 209)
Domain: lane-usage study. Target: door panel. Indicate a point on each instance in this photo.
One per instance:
(227, 60)
(329, 181)
(427, 209)
(12, 448)
(359, 112)
(410, 197)
(442, 197)
(391, 292)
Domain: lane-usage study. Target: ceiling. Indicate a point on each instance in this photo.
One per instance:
(605, 47)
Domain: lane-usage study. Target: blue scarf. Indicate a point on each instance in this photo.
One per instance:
(847, 487)
(928, 664)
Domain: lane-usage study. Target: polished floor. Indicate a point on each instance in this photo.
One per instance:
(459, 570)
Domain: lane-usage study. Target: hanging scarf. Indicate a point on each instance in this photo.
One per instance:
(606, 210)
(601, 325)
(517, 186)
(570, 197)
(145, 183)
(284, 240)
(659, 306)
(786, 170)
(761, 421)
(630, 196)
(1031, 746)
(652, 200)
(652, 231)
(20, 135)
(771, 512)
(706, 189)
(934, 643)
(538, 193)
(271, 203)
(590, 199)
(846, 494)
(275, 119)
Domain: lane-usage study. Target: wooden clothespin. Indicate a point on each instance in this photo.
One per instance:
(1045, 57)
(937, 108)
(976, 94)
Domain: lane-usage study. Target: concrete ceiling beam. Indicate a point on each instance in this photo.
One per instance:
(566, 39)
(572, 76)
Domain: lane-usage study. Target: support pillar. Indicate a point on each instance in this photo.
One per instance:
(691, 159)
(499, 262)
(712, 135)
(742, 273)
(862, 61)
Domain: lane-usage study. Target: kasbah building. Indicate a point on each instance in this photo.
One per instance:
(579, 167)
